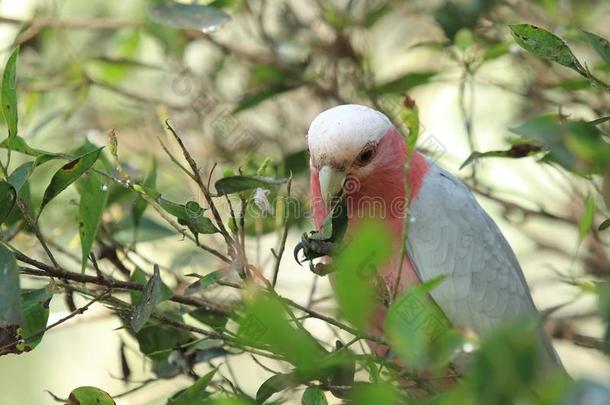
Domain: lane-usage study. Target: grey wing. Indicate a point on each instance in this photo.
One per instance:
(451, 235)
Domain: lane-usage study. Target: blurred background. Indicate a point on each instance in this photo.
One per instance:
(241, 90)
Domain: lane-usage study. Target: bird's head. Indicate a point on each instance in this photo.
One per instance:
(352, 146)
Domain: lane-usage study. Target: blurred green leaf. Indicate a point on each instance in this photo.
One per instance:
(189, 16)
(8, 197)
(148, 230)
(495, 51)
(18, 144)
(205, 281)
(148, 301)
(11, 314)
(139, 276)
(601, 45)
(375, 14)
(20, 175)
(9, 93)
(140, 204)
(313, 396)
(89, 396)
(603, 305)
(296, 162)
(68, 174)
(464, 39)
(402, 84)
(409, 116)
(455, 15)
(253, 99)
(265, 323)
(277, 383)
(196, 393)
(604, 225)
(586, 221)
(378, 393)
(35, 305)
(90, 210)
(356, 272)
(237, 184)
(216, 321)
(545, 45)
(419, 331)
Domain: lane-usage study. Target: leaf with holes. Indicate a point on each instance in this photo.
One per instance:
(94, 195)
(9, 94)
(148, 301)
(68, 174)
(545, 45)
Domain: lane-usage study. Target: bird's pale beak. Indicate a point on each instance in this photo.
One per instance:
(331, 183)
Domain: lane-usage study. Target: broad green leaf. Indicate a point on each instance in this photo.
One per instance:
(196, 393)
(145, 306)
(68, 174)
(195, 220)
(601, 45)
(296, 162)
(266, 324)
(418, 331)
(586, 221)
(403, 84)
(604, 225)
(8, 197)
(89, 396)
(378, 393)
(276, 383)
(545, 45)
(90, 210)
(313, 396)
(139, 206)
(189, 16)
(11, 314)
(236, 184)
(9, 93)
(18, 144)
(20, 175)
(35, 305)
(205, 281)
(253, 99)
(356, 268)
(157, 340)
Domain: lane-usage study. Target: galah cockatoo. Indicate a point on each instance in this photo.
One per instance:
(449, 233)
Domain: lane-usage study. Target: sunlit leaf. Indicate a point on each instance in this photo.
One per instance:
(313, 396)
(90, 210)
(8, 197)
(151, 296)
(68, 174)
(189, 16)
(9, 93)
(545, 45)
(194, 394)
(601, 45)
(89, 396)
(236, 184)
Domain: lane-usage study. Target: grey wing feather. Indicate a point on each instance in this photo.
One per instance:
(451, 235)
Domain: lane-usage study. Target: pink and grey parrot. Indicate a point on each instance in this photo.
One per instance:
(449, 233)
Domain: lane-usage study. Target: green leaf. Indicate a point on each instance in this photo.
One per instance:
(253, 99)
(18, 144)
(20, 175)
(89, 396)
(189, 16)
(236, 184)
(196, 393)
(356, 271)
(586, 221)
(516, 151)
(265, 324)
(378, 393)
(8, 197)
(374, 15)
(94, 196)
(35, 305)
(9, 94)
(274, 384)
(419, 331)
(139, 206)
(604, 225)
(313, 396)
(205, 281)
(11, 314)
(296, 162)
(403, 83)
(157, 340)
(545, 45)
(195, 220)
(601, 45)
(138, 276)
(148, 301)
(68, 174)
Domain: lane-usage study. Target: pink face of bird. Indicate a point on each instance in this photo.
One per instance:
(350, 141)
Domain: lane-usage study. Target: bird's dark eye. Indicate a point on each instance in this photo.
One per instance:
(365, 156)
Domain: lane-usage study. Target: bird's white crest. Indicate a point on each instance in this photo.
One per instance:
(339, 134)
